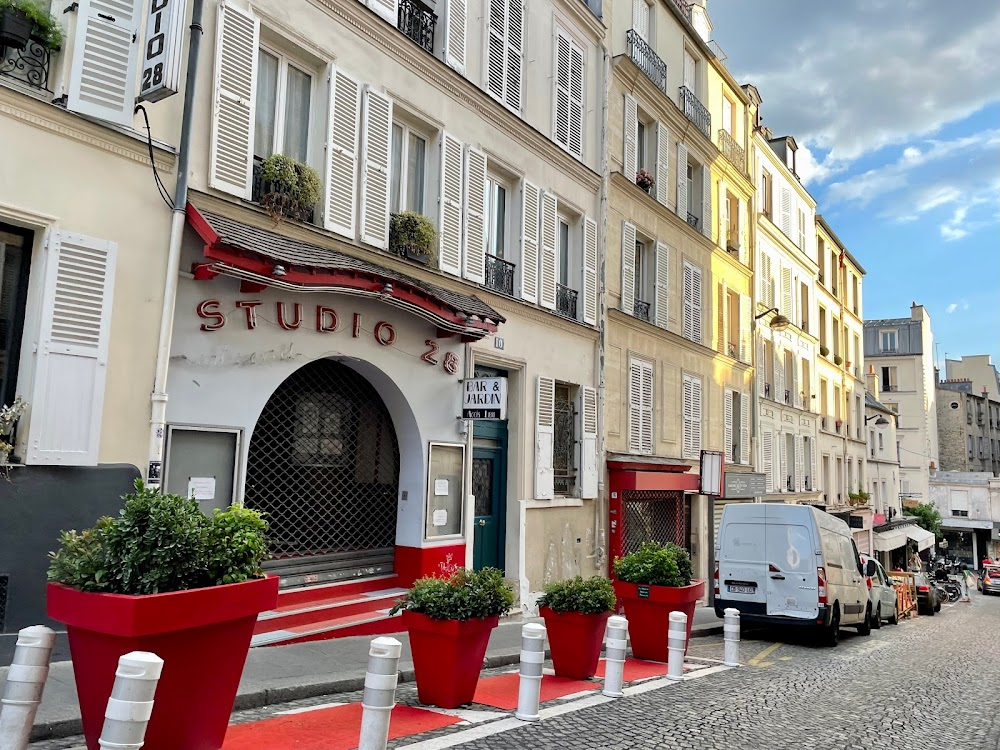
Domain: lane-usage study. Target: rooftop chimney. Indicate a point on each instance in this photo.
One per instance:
(871, 382)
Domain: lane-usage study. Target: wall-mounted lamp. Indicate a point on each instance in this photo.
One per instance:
(278, 271)
(778, 323)
(880, 421)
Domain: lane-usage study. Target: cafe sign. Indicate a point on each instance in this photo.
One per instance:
(484, 398)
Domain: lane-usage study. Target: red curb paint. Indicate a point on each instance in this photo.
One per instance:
(501, 691)
(637, 669)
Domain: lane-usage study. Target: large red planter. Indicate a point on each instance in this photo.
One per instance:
(575, 641)
(202, 635)
(447, 657)
(648, 608)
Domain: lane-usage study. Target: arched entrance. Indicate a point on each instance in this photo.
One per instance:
(323, 465)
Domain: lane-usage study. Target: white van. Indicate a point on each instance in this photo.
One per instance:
(790, 565)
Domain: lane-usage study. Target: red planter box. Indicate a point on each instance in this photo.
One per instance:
(447, 657)
(575, 641)
(202, 635)
(649, 615)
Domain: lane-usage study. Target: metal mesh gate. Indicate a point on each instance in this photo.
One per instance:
(324, 466)
(654, 516)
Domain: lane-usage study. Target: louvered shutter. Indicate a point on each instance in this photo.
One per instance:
(376, 147)
(342, 154)
(692, 417)
(231, 152)
(662, 162)
(515, 53)
(767, 459)
(474, 251)
(796, 392)
(662, 285)
(102, 79)
(720, 319)
(547, 240)
(589, 271)
(746, 328)
(692, 303)
(727, 118)
(496, 48)
(568, 125)
(387, 9)
(783, 468)
(760, 367)
(67, 401)
(588, 446)
(628, 268)
(455, 20)
(779, 375)
(802, 229)
(744, 241)
(706, 202)
(634, 406)
(545, 395)
(450, 206)
(744, 428)
(640, 18)
(786, 212)
(631, 134)
(727, 419)
(576, 77)
(723, 216)
(762, 274)
(812, 461)
(799, 465)
(682, 189)
(646, 409)
(530, 198)
(786, 291)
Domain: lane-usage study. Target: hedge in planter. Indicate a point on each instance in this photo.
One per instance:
(449, 620)
(165, 578)
(288, 188)
(652, 582)
(576, 613)
(412, 236)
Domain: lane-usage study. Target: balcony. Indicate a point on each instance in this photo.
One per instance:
(695, 111)
(500, 275)
(684, 7)
(417, 21)
(641, 310)
(733, 152)
(692, 220)
(566, 301)
(28, 66)
(646, 59)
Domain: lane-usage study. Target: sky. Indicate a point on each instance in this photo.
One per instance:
(895, 106)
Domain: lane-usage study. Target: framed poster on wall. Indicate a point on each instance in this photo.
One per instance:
(444, 513)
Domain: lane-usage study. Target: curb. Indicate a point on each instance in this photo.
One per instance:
(270, 696)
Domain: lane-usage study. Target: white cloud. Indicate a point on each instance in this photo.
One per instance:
(954, 228)
(951, 308)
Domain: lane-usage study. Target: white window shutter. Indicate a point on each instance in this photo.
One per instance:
(102, 80)
(231, 152)
(545, 396)
(646, 409)
(697, 415)
(720, 319)
(640, 18)
(628, 268)
(344, 118)
(706, 202)
(761, 368)
(474, 251)
(560, 104)
(746, 328)
(530, 198)
(692, 303)
(692, 417)
(496, 48)
(576, 82)
(802, 229)
(588, 446)
(662, 302)
(744, 241)
(767, 459)
(786, 291)
(387, 9)
(786, 212)
(783, 468)
(631, 135)
(634, 406)
(779, 375)
(812, 468)
(549, 257)
(744, 428)
(455, 22)
(376, 150)
(67, 401)
(727, 418)
(682, 186)
(796, 393)
(727, 119)
(662, 162)
(589, 271)
(450, 206)
(515, 54)
(723, 216)
(799, 465)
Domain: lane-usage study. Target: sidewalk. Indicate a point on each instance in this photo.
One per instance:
(303, 670)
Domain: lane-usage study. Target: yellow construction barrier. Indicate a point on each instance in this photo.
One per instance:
(906, 592)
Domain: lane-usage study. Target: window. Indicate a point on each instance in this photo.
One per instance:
(284, 94)
(691, 408)
(807, 462)
(728, 122)
(881, 443)
(563, 252)
(806, 386)
(765, 193)
(888, 378)
(732, 222)
(733, 332)
(564, 441)
(645, 277)
(821, 257)
(769, 382)
(569, 85)
(824, 399)
(569, 257)
(640, 406)
(409, 170)
(822, 326)
(791, 480)
(802, 229)
(804, 306)
(971, 450)
(834, 273)
(836, 336)
(692, 303)
(498, 212)
(836, 404)
(855, 295)
(15, 257)
(642, 153)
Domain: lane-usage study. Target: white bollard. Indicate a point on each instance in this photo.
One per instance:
(676, 645)
(131, 701)
(25, 682)
(614, 656)
(380, 693)
(530, 686)
(731, 633)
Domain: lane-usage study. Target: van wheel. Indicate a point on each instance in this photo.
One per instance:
(894, 620)
(831, 635)
(877, 622)
(865, 628)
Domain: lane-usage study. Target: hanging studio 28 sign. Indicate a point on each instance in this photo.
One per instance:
(484, 398)
(163, 50)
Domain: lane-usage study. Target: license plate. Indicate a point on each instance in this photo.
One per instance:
(742, 589)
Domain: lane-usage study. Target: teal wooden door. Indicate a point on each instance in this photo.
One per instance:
(488, 487)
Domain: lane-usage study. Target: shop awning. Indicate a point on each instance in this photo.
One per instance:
(923, 537)
(265, 258)
(886, 541)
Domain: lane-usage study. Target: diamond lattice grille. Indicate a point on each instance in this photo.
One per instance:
(653, 516)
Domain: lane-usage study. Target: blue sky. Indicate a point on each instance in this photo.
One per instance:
(895, 105)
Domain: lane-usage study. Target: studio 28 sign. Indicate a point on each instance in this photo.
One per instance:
(162, 52)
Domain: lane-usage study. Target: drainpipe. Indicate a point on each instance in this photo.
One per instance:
(158, 410)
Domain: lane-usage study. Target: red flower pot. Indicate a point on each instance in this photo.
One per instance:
(447, 656)
(202, 635)
(648, 608)
(575, 641)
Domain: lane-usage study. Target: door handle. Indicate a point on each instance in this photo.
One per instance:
(482, 522)
(778, 577)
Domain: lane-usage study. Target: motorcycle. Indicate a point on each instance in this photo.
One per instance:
(947, 587)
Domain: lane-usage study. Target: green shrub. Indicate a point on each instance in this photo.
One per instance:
(462, 595)
(655, 565)
(290, 188)
(412, 231)
(47, 30)
(161, 543)
(592, 596)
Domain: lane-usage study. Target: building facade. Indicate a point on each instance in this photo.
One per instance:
(978, 368)
(967, 501)
(968, 427)
(883, 475)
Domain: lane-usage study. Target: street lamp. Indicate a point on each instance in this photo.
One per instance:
(778, 323)
(880, 421)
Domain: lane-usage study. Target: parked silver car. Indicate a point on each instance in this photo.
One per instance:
(881, 592)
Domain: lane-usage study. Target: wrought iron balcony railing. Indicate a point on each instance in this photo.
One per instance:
(566, 301)
(641, 310)
(695, 111)
(734, 152)
(692, 220)
(29, 66)
(642, 54)
(500, 275)
(684, 7)
(417, 21)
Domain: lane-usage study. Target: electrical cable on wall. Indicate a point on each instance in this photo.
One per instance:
(164, 193)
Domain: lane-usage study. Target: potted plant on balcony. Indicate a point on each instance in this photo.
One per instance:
(21, 20)
(838, 360)
(289, 189)
(652, 582)
(8, 418)
(412, 236)
(449, 619)
(824, 351)
(163, 577)
(576, 613)
(644, 180)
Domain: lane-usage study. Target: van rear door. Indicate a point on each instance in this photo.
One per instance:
(792, 589)
(742, 568)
